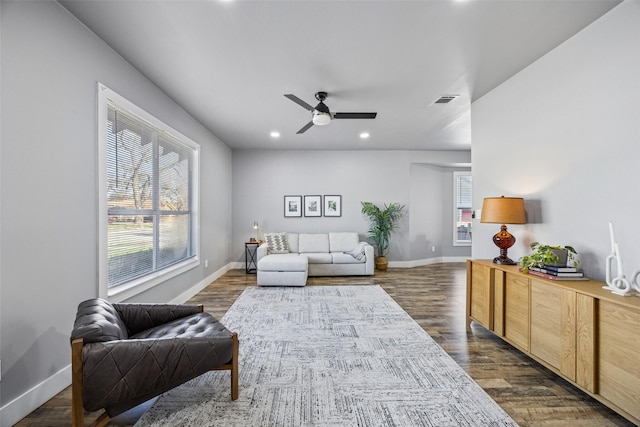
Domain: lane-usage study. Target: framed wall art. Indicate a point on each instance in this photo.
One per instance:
(312, 205)
(292, 206)
(332, 206)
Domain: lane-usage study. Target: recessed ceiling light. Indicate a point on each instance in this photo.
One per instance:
(364, 135)
(275, 134)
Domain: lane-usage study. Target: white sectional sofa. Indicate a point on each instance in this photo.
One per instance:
(293, 257)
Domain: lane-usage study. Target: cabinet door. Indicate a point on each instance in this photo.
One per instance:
(516, 310)
(586, 342)
(619, 347)
(553, 326)
(498, 302)
(479, 292)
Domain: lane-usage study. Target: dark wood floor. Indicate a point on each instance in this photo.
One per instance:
(435, 297)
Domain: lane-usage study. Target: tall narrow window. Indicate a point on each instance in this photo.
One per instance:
(462, 210)
(150, 179)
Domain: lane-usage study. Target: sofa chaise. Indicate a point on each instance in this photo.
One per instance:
(287, 259)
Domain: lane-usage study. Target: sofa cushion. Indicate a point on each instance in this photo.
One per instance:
(283, 262)
(292, 240)
(318, 242)
(277, 243)
(343, 242)
(342, 258)
(319, 257)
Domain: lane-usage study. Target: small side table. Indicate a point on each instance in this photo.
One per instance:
(250, 256)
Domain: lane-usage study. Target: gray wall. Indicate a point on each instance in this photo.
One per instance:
(50, 67)
(261, 179)
(564, 135)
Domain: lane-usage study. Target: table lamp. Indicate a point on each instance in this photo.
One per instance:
(255, 227)
(503, 210)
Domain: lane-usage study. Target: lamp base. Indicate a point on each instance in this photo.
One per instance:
(504, 260)
(504, 240)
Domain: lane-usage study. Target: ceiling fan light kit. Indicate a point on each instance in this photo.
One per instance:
(320, 118)
(320, 114)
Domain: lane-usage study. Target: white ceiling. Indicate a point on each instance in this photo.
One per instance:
(230, 63)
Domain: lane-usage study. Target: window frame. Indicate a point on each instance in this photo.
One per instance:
(122, 292)
(456, 241)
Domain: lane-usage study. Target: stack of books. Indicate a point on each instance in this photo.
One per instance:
(554, 272)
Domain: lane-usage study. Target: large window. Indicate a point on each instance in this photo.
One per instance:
(462, 210)
(149, 183)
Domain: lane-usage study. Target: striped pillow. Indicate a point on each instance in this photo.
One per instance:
(277, 243)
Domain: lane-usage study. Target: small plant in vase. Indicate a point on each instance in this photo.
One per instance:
(549, 255)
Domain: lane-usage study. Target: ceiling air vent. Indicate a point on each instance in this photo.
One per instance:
(445, 99)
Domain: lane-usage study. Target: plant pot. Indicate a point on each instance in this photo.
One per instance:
(381, 263)
(562, 257)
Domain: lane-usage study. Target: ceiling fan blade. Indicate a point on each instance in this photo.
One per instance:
(305, 127)
(354, 115)
(299, 102)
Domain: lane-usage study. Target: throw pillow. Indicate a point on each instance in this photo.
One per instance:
(277, 243)
(358, 252)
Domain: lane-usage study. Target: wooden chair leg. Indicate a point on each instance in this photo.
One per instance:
(102, 420)
(234, 368)
(77, 411)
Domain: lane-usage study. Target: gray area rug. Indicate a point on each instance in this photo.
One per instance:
(329, 356)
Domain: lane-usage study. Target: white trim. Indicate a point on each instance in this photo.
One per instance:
(189, 293)
(33, 398)
(393, 264)
(133, 288)
(239, 265)
(457, 242)
(103, 211)
(427, 261)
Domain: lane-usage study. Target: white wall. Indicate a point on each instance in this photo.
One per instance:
(50, 66)
(564, 135)
(261, 179)
(432, 224)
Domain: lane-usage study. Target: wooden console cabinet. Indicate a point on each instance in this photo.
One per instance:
(580, 331)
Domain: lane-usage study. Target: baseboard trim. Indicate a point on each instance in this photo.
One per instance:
(238, 265)
(33, 398)
(427, 261)
(189, 293)
(396, 264)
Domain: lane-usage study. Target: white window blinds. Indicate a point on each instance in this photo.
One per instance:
(149, 187)
(462, 209)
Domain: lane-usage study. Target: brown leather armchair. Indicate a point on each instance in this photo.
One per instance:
(124, 354)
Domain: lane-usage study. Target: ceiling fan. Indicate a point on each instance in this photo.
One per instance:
(320, 114)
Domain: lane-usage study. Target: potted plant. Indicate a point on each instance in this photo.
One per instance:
(383, 223)
(550, 255)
